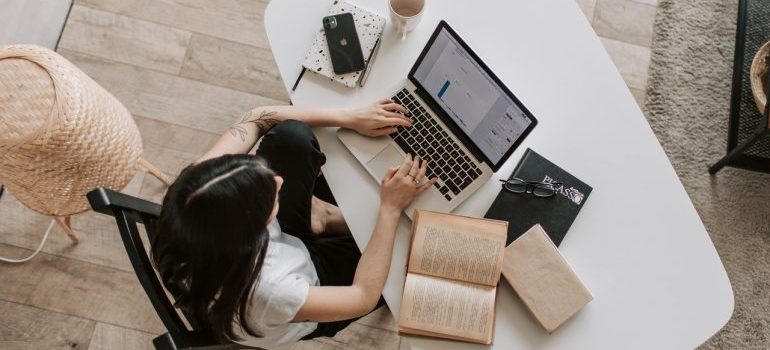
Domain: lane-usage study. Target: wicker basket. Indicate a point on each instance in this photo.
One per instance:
(758, 76)
(61, 134)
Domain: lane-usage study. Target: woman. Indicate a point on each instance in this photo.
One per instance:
(252, 254)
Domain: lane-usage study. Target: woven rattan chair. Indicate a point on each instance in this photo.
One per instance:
(61, 134)
(748, 138)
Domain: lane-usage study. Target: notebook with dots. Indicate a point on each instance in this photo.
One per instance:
(369, 27)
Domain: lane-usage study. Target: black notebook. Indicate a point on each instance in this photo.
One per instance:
(523, 210)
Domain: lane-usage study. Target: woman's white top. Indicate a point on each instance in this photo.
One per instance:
(281, 289)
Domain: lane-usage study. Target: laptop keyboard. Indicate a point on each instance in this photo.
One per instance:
(427, 139)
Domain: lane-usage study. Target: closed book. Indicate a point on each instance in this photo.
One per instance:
(543, 279)
(523, 210)
(369, 27)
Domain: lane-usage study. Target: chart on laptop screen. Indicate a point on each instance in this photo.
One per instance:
(471, 97)
(460, 88)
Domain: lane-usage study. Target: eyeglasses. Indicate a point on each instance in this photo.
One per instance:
(539, 189)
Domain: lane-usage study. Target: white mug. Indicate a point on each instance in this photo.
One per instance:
(406, 14)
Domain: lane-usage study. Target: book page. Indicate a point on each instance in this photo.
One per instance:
(457, 247)
(456, 309)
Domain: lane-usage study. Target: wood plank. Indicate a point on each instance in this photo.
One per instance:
(125, 39)
(625, 20)
(171, 148)
(355, 336)
(632, 61)
(404, 344)
(108, 337)
(233, 65)
(171, 162)
(169, 98)
(239, 21)
(25, 327)
(100, 242)
(158, 135)
(380, 318)
(639, 96)
(76, 288)
(587, 6)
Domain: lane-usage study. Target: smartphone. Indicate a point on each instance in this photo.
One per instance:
(344, 48)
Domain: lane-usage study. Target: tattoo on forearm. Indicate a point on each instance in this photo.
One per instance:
(264, 121)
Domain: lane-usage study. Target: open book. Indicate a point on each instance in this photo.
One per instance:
(451, 281)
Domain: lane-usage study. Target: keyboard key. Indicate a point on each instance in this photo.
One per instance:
(404, 145)
(443, 189)
(465, 184)
(447, 197)
(452, 187)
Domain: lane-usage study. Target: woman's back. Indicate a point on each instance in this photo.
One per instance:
(286, 276)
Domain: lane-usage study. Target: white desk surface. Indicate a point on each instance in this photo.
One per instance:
(638, 243)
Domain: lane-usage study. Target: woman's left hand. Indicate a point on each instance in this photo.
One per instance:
(378, 119)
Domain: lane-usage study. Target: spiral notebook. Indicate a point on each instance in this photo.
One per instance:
(369, 27)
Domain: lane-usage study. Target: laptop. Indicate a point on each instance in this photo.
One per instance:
(465, 121)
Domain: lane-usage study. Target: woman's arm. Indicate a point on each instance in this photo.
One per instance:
(377, 119)
(328, 304)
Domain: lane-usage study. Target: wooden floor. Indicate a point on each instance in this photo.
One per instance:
(185, 69)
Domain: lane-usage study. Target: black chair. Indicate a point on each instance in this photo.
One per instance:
(748, 138)
(128, 212)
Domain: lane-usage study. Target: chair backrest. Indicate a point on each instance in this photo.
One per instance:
(128, 212)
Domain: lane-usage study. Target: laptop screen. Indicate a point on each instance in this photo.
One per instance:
(479, 105)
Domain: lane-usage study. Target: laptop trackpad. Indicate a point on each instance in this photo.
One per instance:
(387, 158)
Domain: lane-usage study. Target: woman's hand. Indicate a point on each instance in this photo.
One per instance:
(378, 119)
(404, 183)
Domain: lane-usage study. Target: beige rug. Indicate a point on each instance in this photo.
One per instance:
(687, 104)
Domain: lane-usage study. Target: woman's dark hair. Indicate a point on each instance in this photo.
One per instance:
(212, 238)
